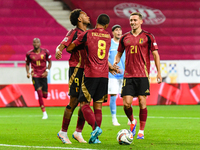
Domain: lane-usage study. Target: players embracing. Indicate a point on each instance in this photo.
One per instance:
(79, 19)
(96, 67)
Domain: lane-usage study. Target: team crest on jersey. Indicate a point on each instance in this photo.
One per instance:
(151, 16)
(141, 40)
(33, 57)
(42, 56)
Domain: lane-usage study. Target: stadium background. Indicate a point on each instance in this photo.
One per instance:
(174, 23)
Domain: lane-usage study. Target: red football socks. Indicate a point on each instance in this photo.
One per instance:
(40, 95)
(143, 118)
(129, 113)
(98, 116)
(65, 124)
(89, 115)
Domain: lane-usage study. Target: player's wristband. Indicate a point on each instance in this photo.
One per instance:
(57, 49)
(47, 70)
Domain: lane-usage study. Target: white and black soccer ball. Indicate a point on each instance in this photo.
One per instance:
(125, 137)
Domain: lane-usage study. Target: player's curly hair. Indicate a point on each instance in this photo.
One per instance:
(103, 19)
(74, 16)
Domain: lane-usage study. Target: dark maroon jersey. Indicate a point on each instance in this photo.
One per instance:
(137, 62)
(76, 58)
(38, 62)
(96, 43)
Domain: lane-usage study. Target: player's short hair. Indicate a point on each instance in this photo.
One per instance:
(74, 16)
(36, 39)
(103, 19)
(138, 14)
(116, 26)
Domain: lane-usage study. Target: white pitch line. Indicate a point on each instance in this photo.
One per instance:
(123, 116)
(161, 117)
(43, 147)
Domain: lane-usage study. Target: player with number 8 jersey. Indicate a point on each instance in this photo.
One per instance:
(97, 43)
(96, 67)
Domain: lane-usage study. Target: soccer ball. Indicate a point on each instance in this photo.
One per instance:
(125, 137)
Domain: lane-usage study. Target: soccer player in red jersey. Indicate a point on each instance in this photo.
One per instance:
(95, 81)
(79, 19)
(137, 44)
(38, 59)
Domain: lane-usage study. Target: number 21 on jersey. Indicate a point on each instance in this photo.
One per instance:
(133, 49)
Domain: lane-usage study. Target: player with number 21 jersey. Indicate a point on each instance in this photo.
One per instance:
(137, 56)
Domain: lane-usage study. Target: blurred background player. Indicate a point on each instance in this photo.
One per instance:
(115, 81)
(79, 19)
(95, 80)
(38, 59)
(137, 44)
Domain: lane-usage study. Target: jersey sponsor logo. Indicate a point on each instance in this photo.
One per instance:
(151, 16)
(141, 40)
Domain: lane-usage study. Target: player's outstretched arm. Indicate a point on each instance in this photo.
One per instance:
(45, 74)
(157, 63)
(117, 58)
(27, 70)
(70, 47)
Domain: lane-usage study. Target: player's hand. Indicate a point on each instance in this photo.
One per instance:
(114, 70)
(28, 75)
(58, 55)
(115, 64)
(45, 74)
(159, 78)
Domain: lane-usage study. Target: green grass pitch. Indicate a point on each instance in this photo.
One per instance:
(167, 128)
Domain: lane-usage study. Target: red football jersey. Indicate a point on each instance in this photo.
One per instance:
(76, 58)
(38, 62)
(96, 43)
(137, 62)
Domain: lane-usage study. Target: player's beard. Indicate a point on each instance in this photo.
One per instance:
(36, 48)
(134, 29)
(87, 24)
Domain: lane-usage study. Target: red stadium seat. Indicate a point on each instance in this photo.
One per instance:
(20, 22)
(177, 35)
